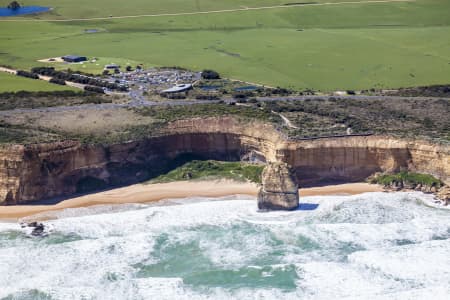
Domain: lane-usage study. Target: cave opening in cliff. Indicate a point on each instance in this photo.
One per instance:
(125, 173)
(90, 184)
(9, 199)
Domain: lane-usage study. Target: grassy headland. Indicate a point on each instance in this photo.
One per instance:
(173, 113)
(424, 119)
(415, 119)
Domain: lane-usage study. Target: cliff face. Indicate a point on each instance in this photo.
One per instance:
(356, 158)
(11, 162)
(42, 171)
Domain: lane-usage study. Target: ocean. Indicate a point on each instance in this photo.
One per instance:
(368, 246)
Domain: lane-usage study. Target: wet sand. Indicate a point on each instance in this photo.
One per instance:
(141, 193)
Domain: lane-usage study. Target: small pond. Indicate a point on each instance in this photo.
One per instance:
(246, 88)
(25, 10)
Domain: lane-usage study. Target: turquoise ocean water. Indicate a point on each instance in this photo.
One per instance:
(369, 246)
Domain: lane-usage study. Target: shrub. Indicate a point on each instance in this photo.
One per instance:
(210, 74)
(174, 96)
(80, 77)
(407, 177)
(27, 74)
(280, 91)
(14, 5)
(57, 81)
(243, 95)
(95, 89)
(206, 97)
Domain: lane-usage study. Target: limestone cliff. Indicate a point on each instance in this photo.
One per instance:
(356, 157)
(33, 172)
(279, 190)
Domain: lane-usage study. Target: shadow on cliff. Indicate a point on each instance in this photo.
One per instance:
(90, 185)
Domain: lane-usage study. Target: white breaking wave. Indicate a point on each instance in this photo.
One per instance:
(369, 246)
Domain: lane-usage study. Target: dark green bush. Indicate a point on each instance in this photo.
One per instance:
(210, 74)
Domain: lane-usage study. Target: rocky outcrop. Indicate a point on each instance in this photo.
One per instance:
(441, 193)
(279, 190)
(34, 172)
(444, 195)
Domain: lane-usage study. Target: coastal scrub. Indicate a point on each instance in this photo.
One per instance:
(211, 169)
(407, 178)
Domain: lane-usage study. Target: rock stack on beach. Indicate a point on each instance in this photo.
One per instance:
(279, 190)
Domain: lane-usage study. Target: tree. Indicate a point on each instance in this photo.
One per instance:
(210, 74)
(129, 69)
(14, 5)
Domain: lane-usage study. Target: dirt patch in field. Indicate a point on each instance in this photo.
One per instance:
(51, 60)
(79, 121)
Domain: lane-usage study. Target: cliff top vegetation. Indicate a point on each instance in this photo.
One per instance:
(413, 118)
(313, 118)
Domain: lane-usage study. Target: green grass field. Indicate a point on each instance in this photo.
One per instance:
(324, 47)
(66, 9)
(12, 83)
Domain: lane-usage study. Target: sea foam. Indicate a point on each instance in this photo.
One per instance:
(368, 246)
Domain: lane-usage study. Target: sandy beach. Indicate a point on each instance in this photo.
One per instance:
(141, 193)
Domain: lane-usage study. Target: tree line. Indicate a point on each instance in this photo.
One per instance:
(59, 77)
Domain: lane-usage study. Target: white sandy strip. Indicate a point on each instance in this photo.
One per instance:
(143, 193)
(206, 12)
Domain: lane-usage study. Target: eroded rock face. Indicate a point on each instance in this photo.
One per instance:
(354, 158)
(279, 190)
(42, 171)
(444, 195)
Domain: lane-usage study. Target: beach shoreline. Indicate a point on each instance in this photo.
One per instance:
(145, 193)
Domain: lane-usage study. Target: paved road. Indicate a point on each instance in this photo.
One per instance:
(205, 12)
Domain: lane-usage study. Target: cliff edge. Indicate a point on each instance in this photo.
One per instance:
(41, 171)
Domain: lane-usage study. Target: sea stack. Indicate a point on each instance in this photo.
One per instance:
(279, 190)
